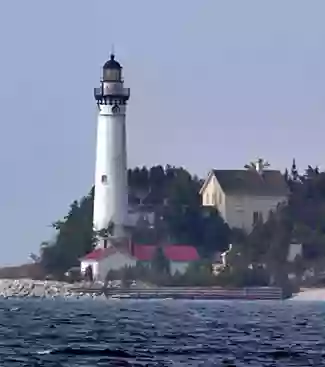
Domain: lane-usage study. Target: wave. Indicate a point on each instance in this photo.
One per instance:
(106, 352)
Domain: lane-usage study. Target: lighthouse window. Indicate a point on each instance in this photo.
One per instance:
(115, 109)
(104, 179)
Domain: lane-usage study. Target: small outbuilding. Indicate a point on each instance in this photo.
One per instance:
(103, 260)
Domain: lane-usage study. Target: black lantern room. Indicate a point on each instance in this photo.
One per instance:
(111, 90)
(112, 70)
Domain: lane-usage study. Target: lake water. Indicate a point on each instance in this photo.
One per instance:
(161, 333)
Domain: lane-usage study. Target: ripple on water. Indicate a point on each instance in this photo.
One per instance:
(174, 333)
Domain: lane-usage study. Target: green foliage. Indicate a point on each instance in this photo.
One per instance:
(243, 277)
(74, 238)
(173, 194)
(198, 274)
(160, 264)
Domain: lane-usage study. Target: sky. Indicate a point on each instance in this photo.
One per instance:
(214, 84)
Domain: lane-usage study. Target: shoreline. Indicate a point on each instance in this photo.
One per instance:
(26, 288)
(203, 293)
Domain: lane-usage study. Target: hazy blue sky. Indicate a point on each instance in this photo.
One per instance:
(214, 84)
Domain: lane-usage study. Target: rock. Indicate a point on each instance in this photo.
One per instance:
(42, 289)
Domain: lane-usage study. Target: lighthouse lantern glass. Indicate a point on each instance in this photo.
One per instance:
(112, 75)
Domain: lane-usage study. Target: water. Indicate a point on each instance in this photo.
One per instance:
(161, 333)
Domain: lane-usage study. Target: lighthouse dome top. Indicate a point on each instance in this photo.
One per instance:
(112, 64)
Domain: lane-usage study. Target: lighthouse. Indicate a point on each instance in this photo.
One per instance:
(111, 190)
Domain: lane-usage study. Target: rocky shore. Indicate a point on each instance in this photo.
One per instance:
(13, 288)
(43, 289)
(26, 288)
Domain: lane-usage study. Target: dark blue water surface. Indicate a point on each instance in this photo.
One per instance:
(161, 333)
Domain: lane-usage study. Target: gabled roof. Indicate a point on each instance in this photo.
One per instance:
(180, 253)
(249, 182)
(99, 254)
(144, 252)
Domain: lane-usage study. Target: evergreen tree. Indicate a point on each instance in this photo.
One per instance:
(294, 171)
(172, 192)
(73, 240)
(160, 264)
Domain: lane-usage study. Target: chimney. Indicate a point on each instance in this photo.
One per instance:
(259, 166)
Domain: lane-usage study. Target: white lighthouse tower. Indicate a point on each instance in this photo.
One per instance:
(111, 191)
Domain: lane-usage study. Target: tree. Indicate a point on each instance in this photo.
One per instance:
(156, 177)
(106, 232)
(74, 238)
(294, 171)
(160, 264)
(89, 273)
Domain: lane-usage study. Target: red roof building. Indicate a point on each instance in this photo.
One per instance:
(104, 259)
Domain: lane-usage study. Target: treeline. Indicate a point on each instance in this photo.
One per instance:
(172, 192)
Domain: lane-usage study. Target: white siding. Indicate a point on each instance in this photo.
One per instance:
(240, 210)
(111, 193)
(112, 262)
(295, 249)
(178, 266)
(214, 196)
(85, 263)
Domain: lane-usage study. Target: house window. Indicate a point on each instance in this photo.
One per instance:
(260, 216)
(255, 217)
(214, 199)
(239, 208)
(207, 199)
(104, 179)
(115, 109)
